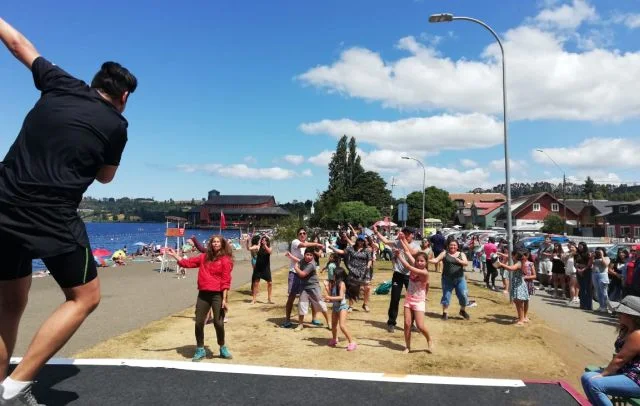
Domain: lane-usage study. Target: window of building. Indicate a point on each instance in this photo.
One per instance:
(636, 232)
(536, 207)
(624, 231)
(624, 209)
(555, 207)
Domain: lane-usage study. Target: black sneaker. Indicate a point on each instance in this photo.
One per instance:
(445, 316)
(391, 328)
(465, 314)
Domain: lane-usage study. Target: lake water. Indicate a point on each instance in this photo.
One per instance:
(114, 236)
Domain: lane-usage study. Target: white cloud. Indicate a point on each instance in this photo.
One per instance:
(322, 159)
(445, 178)
(250, 160)
(307, 172)
(241, 171)
(567, 16)
(384, 160)
(594, 153)
(417, 134)
(516, 165)
(294, 159)
(631, 20)
(545, 79)
(468, 163)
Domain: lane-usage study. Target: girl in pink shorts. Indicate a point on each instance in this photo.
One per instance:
(414, 305)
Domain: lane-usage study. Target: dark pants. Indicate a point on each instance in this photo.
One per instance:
(586, 294)
(207, 301)
(490, 275)
(397, 282)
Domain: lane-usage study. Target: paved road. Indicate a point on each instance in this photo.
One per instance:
(595, 331)
(132, 297)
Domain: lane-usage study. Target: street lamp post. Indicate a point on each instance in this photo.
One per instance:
(440, 18)
(424, 177)
(564, 188)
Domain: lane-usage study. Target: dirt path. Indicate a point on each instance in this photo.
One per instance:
(488, 345)
(132, 297)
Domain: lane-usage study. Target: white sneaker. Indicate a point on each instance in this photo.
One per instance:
(23, 398)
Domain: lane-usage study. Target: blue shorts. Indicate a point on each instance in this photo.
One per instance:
(337, 307)
(460, 286)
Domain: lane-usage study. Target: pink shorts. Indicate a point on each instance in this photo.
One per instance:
(414, 304)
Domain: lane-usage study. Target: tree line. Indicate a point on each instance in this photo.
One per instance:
(588, 190)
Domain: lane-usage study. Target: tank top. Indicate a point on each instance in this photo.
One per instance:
(336, 292)
(570, 266)
(632, 368)
(452, 269)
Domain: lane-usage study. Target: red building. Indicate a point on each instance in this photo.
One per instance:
(528, 212)
(239, 210)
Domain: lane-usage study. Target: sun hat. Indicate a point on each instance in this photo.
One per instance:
(629, 305)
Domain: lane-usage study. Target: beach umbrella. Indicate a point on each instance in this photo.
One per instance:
(382, 223)
(101, 252)
(140, 244)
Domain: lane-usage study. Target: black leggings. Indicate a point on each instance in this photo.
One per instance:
(491, 273)
(207, 301)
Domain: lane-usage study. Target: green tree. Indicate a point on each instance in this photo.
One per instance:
(437, 205)
(355, 213)
(348, 181)
(553, 224)
(371, 189)
(589, 187)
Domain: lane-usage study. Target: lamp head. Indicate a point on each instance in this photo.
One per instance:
(405, 157)
(441, 18)
(539, 150)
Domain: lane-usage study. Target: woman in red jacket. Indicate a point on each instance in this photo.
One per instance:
(214, 280)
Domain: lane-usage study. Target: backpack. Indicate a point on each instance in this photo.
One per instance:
(383, 288)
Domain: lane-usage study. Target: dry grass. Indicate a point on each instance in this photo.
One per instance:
(488, 345)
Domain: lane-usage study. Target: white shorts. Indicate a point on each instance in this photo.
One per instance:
(313, 296)
(546, 267)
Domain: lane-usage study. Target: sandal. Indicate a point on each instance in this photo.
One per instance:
(365, 308)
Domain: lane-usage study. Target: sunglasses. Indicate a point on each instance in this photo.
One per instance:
(302, 233)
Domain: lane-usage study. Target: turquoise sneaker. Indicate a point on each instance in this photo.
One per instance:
(224, 353)
(317, 323)
(199, 354)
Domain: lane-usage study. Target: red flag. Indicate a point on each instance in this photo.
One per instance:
(223, 221)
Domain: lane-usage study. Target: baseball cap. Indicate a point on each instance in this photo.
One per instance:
(629, 305)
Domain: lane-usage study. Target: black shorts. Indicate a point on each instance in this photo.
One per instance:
(56, 236)
(264, 274)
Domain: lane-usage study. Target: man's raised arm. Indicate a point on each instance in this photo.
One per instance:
(19, 46)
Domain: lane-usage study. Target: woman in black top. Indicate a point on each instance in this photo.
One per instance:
(583, 262)
(557, 271)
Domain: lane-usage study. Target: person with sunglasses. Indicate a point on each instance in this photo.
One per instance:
(296, 254)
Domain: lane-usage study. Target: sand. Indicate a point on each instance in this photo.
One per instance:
(488, 345)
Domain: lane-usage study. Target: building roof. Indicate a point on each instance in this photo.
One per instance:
(221, 200)
(249, 211)
(486, 208)
(621, 203)
(519, 204)
(470, 198)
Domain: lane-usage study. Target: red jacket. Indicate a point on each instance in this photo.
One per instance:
(213, 276)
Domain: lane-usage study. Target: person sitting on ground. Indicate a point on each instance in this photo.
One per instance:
(214, 281)
(622, 376)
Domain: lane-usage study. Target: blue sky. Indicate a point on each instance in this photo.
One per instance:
(249, 97)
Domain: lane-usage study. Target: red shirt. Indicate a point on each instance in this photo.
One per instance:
(213, 276)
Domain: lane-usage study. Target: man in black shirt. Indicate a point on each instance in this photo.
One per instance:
(74, 134)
